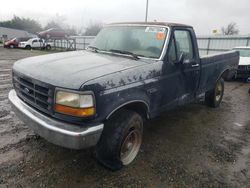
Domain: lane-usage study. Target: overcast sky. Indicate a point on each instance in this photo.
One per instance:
(204, 15)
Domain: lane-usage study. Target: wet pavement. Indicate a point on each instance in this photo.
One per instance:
(193, 146)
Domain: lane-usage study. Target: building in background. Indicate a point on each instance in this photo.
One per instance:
(9, 33)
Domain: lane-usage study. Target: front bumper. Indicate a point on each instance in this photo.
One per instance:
(21, 46)
(57, 132)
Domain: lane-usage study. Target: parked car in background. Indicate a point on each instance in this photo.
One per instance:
(53, 33)
(13, 43)
(35, 43)
(243, 71)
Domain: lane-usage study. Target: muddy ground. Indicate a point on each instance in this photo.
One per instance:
(194, 146)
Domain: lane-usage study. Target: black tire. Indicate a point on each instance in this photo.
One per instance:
(48, 47)
(117, 132)
(28, 47)
(213, 98)
(230, 76)
(12, 46)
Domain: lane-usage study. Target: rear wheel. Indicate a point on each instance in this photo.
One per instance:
(28, 47)
(230, 76)
(48, 47)
(213, 98)
(121, 140)
(12, 46)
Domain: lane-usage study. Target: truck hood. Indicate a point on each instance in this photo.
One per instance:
(244, 61)
(72, 69)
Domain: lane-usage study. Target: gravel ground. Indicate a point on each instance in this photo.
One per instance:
(193, 146)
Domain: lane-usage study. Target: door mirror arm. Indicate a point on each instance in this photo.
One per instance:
(181, 58)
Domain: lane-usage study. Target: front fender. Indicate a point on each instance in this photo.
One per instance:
(114, 99)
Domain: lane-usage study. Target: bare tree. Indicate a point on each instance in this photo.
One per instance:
(27, 24)
(93, 29)
(230, 29)
(58, 21)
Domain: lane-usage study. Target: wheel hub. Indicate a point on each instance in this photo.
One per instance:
(218, 91)
(130, 146)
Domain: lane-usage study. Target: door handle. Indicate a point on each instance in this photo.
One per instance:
(195, 65)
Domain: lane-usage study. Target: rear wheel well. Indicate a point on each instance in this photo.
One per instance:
(139, 107)
(28, 47)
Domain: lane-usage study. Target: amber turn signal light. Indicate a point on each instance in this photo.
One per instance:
(78, 112)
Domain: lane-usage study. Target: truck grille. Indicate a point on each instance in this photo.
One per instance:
(35, 93)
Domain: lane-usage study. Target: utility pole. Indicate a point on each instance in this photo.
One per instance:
(146, 17)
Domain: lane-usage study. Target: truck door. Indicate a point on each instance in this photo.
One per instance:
(41, 43)
(35, 43)
(189, 63)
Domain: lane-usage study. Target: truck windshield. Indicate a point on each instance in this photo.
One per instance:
(138, 40)
(244, 52)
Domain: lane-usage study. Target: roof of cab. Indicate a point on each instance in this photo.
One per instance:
(152, 23)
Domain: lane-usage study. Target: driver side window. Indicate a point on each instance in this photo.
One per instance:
(184, 44)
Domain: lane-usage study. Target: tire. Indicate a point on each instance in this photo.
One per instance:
(12, 46)
(121, 140)
(48, 47)
(28, 47)
(230, 76)
(213, 98)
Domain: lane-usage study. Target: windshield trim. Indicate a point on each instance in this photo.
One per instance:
(147, 25)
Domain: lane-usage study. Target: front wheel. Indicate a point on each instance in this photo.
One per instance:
(213, 98)
(121, 140)
(48, 47)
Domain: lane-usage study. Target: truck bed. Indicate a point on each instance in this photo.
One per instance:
(213, 66)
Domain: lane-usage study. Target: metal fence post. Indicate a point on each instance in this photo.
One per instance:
(74, 43)
(208, 45)
(248, 40)
(84, 43)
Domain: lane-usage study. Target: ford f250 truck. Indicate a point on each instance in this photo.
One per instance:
(101, 96)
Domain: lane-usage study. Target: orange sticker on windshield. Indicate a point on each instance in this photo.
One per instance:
(160, 36)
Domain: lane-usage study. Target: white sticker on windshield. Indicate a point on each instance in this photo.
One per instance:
(155, 29)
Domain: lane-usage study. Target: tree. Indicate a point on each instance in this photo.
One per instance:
(26, 24)
(56, 22)
(59, 22)
(52, 24)
(93, 29)
(230, 29)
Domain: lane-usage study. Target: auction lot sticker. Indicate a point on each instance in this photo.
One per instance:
(155, 29)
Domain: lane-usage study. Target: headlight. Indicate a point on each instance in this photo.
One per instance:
(75, 104)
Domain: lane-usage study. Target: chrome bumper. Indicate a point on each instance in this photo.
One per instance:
(57, 132)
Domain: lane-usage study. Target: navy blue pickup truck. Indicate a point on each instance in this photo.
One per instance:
(101, 96)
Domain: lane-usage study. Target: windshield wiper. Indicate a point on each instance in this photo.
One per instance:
(125, 52)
